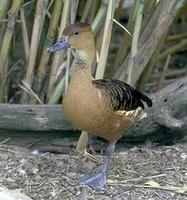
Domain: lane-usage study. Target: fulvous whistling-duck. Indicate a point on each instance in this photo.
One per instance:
(99, 107)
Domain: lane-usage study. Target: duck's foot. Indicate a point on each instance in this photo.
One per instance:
(95, 181)
(98, 179)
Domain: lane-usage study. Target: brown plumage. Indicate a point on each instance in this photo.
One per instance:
(99, 107)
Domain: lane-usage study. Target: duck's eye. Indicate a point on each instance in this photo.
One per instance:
(76, 33)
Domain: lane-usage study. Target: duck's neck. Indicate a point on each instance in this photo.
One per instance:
(84, 59)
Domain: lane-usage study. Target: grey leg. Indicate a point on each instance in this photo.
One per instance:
(98, 179)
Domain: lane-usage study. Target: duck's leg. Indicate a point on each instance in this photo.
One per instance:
(98, 179)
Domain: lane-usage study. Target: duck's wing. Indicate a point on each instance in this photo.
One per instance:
(121, 95)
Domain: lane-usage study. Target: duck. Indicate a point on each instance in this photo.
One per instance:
(102, 107)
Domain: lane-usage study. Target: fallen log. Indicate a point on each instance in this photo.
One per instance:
(33, 118)
(165, 121)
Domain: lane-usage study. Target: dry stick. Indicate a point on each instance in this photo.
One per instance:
(83, 140)
(12, 15)
(171, 80)
(28, 3)
(5, 140)
(59, 55)
(92, 157)
(176, 37)
(140, 178)
(36, 35)
(42, 68)
(123, 27)
(134, 47)
(163, 75)
(27, 88)
(24, 33)
(173, 49)
(175, 72)
(50, 4)
(178, 190)
(153, 85)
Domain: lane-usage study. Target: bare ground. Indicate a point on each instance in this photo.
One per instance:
(137, 173)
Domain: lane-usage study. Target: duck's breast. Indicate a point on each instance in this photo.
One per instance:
(84, 106)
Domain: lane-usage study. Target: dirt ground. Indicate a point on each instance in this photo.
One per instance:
(137, 173)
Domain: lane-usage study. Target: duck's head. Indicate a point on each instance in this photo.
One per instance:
(78, 36)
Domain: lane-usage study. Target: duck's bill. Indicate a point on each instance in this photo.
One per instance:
(61, 44)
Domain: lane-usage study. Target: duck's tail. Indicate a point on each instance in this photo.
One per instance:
(144, 98)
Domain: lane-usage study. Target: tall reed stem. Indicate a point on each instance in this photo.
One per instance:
(40, 14)
(59, 55)
(41, 71)
(106, 39)
(136, 33)
(4, 5)
(12, 16)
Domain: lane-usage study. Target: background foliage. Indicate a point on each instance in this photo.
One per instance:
(153, 56)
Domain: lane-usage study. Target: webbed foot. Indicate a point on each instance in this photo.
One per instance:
(98, 180)
(95, 181)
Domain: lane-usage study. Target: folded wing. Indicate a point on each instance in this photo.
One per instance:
(121, 95)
